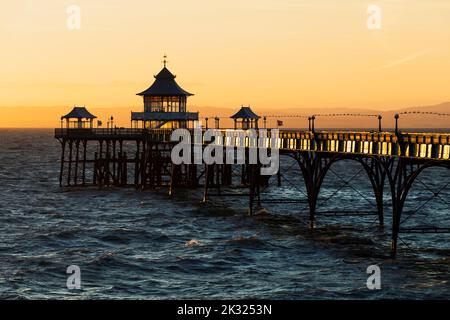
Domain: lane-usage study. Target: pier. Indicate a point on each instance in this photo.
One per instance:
(109, 157)
(140, 156)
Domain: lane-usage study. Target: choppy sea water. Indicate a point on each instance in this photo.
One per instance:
(146, 245)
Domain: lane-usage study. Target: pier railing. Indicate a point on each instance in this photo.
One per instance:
(413, 145)
(97, 133)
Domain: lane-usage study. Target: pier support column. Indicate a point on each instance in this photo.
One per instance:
(314, 167)
(114, 164)
(77, 160)
(63, 153)
(137, 162)
(206, 186)
(144, 162)
(176, 176)
(83, 178)
(377, 176)
(107, 163)
(279, 176)
(401, 175)
(95, 174)
(124, 177)
(70, 162)
(254, 187)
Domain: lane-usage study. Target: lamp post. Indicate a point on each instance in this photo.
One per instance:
(265, 122)
(217, 120)
(396, 123)
(111, 123)
(312, 121)
(379, 123)
(309, 123)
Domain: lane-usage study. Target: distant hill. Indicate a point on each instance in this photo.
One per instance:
(49, 117)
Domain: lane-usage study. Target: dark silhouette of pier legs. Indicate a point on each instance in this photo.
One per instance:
(206, 185)
(254, 187)
(107, 163)
(213, 177)
(83, 179)
(153, 166)
(114, 164)
(401, 176)
(76, 160)
(183, 175)
(63, 152)
(219, 176)
(77, 157)
(137, 163)
(70, 163)
(314, 167)
(377, 176)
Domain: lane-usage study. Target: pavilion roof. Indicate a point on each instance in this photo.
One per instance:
(165, 85)
(79, 113)
(245, 113)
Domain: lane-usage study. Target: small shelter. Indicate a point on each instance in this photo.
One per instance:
(245, 119)
(164, 104)
(79, 118)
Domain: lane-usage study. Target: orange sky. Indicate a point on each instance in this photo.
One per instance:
(267, 53)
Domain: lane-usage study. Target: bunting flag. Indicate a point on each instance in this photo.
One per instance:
(439, 114)
(99, 123)
(279, 123)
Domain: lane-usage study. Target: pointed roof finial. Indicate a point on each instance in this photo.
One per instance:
(165, 60)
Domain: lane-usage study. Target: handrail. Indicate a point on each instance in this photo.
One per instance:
(414, 145)
(282, 133)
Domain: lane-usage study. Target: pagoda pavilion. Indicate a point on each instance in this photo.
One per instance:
(78, 118)
(245, 119)
(164, 105)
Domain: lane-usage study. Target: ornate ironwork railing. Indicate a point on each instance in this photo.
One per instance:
(413, 145)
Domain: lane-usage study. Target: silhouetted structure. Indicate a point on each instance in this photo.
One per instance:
(164, 104)
(142, 157)
(78, 118)
(245, 119)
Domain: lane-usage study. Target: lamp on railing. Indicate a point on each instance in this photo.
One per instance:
(217, 120)
(396, 123)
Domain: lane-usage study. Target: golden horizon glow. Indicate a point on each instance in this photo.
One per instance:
(267, 53)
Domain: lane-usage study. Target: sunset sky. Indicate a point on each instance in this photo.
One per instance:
(267, 53)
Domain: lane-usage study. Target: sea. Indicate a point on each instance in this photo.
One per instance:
(134, 244)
